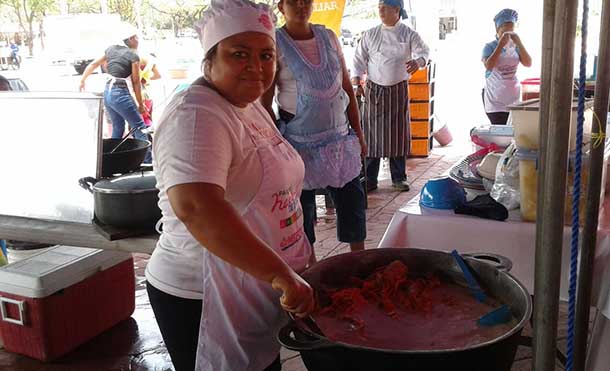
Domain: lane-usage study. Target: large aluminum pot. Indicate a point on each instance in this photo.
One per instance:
(129, 201)
(127, 157)
(321, 353)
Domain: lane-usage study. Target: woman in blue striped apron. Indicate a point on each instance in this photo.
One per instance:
(319, 117)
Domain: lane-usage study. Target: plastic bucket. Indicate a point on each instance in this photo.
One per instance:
(443, 136)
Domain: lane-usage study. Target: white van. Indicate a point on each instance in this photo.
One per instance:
(78, 39)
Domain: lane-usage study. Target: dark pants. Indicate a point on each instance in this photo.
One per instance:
(350, 205)
(398, 169)
(178, 320)
(496, 118)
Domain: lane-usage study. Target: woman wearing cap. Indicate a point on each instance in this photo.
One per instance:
(123, 65)
(501, 58)
(319, 117)
(229, 184)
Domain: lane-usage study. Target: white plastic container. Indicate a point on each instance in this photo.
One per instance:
(524, 117)
(501, 135)
(528, 183)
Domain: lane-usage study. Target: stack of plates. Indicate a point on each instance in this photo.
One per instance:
(465, 172)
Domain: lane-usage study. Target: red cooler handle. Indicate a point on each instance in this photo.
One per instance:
(3, 311)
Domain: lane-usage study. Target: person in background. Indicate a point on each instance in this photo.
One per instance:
(14, 52)
(5, 85)
(501, 58)
(388, 54)
(123, 65)
(226, 262)
(319, 117)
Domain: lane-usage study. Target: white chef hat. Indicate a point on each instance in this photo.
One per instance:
(125, 31)
(225, 18)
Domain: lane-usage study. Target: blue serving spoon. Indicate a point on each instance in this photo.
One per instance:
(497, 316)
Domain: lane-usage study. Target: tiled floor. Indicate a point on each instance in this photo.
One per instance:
(136, 344)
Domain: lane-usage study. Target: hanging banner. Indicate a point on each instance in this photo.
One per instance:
(328, 13)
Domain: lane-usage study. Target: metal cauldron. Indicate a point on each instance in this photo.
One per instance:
(127, 157)
(321, 353)
(127, 201)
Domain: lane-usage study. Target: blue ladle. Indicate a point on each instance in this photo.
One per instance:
(497, 316)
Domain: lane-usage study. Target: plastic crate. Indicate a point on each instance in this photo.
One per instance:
(420, 147)
(421, 110)
(421, 128)
(425, 74)
(421, 91)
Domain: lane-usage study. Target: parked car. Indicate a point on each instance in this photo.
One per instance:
(17, 84)
(347, 38)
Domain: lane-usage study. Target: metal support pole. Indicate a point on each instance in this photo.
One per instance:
(549, 244)
(548, 26)
(589, 232)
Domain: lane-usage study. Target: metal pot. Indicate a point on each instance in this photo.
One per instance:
(127, 157)
(125, 201)
(321, 353)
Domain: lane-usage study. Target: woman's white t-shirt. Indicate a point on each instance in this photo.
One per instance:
(200, 138)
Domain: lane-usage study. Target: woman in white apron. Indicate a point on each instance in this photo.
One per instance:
(229, 188)
(501, 58)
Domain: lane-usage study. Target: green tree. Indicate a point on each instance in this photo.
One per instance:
(27, 13)
(124, 8)
(179, 15)
(83, 6)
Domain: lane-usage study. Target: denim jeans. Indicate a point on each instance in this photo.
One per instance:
(350, 204)
(121, 107)
(397, 169)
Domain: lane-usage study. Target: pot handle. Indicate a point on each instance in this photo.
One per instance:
(87, 182)
(286, 338)
(502, 263)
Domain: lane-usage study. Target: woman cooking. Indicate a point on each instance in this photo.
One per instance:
(501, 58)
(229, 184)
(319, 116)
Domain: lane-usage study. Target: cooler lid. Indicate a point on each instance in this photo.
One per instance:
(43, 274)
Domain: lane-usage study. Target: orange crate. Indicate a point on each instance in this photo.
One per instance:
(425, 74)
(420, 147)
(420, 128)
(421, 110)
(421, 91)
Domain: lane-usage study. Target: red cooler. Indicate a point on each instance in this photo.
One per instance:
(52, 302)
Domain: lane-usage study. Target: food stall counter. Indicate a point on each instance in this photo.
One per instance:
(71, 234)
